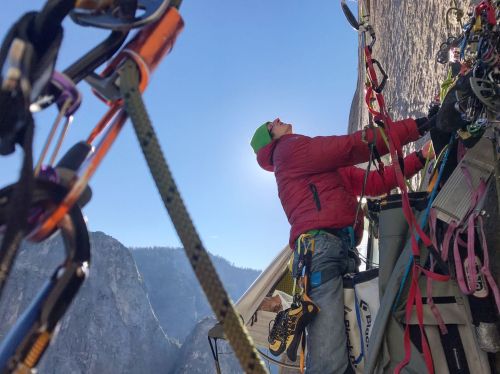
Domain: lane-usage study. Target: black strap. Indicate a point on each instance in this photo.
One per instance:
(40, 35)
(454, 351)
(14, 100)
(215, 353)
(35, 59)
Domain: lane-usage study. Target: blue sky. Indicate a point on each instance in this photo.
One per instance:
(236, 64)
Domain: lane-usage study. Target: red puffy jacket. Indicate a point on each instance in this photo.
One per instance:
(317, 182)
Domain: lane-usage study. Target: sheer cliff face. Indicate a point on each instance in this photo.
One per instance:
(409, 34)
(175, 294)
(109, 328)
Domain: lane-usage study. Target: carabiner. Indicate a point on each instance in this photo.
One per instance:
(372, 75)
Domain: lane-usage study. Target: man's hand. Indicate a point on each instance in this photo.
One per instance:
(434, 107)
(451, 115)
(424, 124)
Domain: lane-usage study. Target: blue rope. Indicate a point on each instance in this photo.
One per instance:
(360, 328)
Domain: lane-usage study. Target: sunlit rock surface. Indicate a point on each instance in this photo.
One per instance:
(109, 328)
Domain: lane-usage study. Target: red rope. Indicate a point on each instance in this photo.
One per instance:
(373, 93)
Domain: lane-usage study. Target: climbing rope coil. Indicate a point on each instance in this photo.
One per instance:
(49, 197)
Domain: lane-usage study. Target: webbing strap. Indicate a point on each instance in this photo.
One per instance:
(301, 245)
(456, 228)
(468, 286)
(304, 260)
(432, 306)
(416, 296)
(358, 359)
(219, 300)
(485, 269)
(396, 153)
(430, 300)
(477, 195)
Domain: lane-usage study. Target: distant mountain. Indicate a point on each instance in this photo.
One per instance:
(174, 291)
(110, 327)
(127, 318)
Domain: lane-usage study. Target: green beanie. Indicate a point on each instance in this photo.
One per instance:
(261, 138)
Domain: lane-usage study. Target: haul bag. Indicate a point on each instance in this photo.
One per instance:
(361, 304)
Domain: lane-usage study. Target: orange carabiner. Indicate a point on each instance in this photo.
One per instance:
(148, 47)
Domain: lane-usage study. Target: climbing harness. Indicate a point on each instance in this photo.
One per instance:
(288, 329)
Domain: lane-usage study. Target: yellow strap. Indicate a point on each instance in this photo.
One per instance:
(304, 295)
(435, 172)
(446, 85)
(426, 166)
(300, 242)
(384, 136)
(477, 25)
(303, 353)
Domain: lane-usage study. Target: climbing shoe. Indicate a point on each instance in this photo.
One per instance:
(277, 335)
(299, 316)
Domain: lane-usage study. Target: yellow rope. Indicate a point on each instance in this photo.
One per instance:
(446, 85)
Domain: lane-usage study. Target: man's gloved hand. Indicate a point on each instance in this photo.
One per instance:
(450, 116)
(434, 107)
(424, 124)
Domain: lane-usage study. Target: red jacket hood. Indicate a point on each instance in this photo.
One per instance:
(265, 156)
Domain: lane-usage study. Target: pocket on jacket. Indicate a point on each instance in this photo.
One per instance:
(315, 194)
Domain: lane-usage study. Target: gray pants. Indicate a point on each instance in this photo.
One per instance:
(326, 337)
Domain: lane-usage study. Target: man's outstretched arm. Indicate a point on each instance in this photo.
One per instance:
(380, 183)
(332, 152)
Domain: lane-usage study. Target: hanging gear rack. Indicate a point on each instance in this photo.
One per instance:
(473, 81)
(374, 96)
(120, 86)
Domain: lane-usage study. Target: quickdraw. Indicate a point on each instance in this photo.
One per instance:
(364, 27)
(103, 14)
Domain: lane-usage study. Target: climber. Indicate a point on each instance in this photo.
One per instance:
(318, 186)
